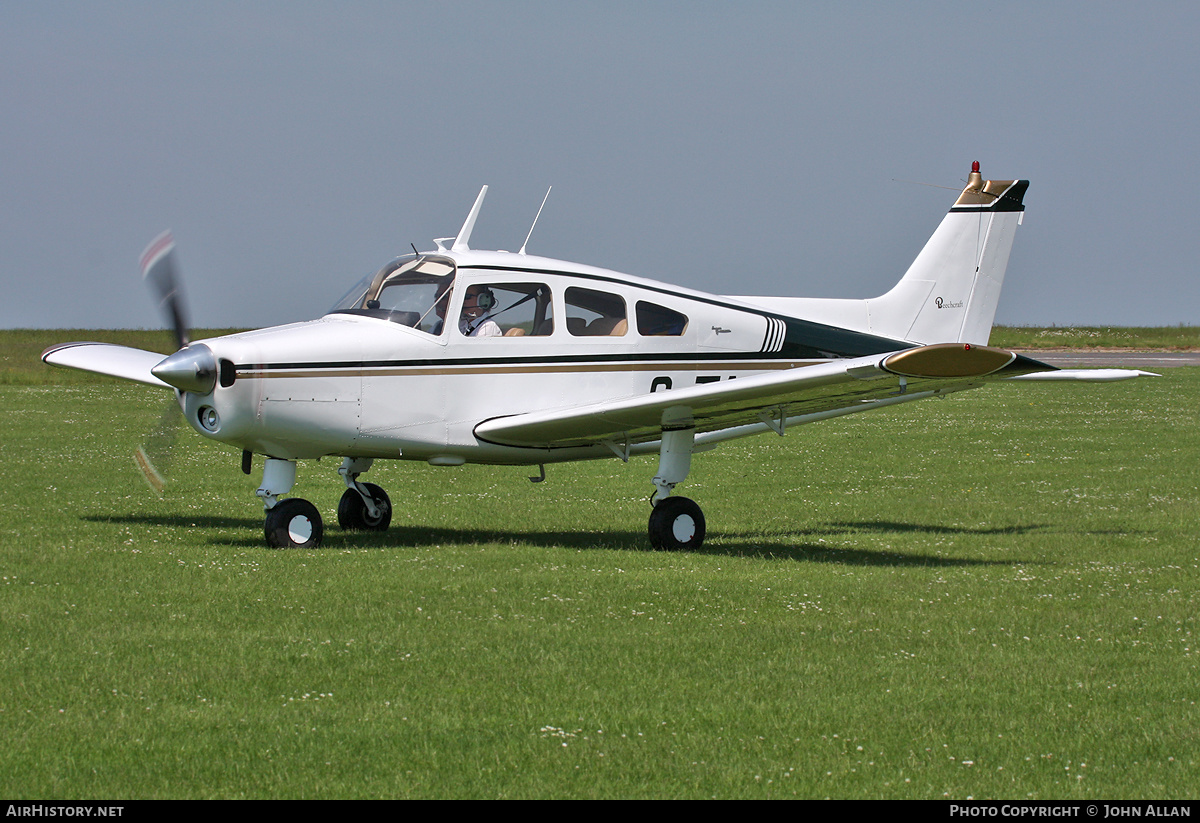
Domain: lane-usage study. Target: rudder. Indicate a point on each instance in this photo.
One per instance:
(951, 291)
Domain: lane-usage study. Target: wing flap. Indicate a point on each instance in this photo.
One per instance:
(109, 359)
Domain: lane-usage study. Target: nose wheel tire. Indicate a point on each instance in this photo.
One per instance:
(354, 516)
(676, 523)
(294, 524)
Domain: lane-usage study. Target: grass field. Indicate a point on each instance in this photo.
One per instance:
(989, 596)
(1163, 338)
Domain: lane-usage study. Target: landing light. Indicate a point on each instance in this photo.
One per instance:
(209, 419)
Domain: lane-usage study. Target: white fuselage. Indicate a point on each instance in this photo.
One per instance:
(365, 386)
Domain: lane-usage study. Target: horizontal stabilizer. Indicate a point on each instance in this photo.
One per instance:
(1088, 375)
(108, 359)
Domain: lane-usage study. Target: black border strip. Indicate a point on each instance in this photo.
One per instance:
(588, 359)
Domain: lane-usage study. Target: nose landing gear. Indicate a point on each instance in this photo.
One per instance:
(295, 523)
(291, 523)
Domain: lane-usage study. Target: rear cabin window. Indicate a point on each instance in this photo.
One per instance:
(592, 313)
(654, 320)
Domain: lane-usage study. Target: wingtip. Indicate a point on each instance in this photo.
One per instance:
(57, 347)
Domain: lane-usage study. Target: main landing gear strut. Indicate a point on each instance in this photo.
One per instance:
(296, 523)
(675, 522)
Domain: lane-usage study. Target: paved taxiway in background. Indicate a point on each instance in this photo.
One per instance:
(1115, 359)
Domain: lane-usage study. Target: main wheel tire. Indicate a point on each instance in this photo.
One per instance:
(353, 514)
(294, 524)
(676, 523)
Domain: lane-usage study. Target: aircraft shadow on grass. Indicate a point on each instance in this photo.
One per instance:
(799, 545)
(802, 548)
(175, 521)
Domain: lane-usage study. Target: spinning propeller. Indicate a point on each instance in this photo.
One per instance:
(159, 271)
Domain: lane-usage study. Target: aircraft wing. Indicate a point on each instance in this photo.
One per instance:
(762, 402)
(107, 358)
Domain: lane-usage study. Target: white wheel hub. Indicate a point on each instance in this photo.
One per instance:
(684, 528)
(300, 529)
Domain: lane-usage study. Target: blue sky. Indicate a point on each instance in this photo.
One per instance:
(770, 148)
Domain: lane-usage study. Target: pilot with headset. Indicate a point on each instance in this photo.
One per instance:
(474, 322)
(478, 301)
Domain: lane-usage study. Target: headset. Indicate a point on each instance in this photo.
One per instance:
(485, 298)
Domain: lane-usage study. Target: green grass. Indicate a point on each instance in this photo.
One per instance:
(993, 595)
(1164, 338)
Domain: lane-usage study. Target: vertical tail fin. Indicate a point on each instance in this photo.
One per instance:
(950, 292)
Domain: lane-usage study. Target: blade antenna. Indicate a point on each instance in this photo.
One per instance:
(468, 226)
(535, 219)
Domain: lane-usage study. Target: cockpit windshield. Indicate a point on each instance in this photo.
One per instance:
(412, 291)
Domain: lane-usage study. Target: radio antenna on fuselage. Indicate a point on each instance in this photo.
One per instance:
(535, 219)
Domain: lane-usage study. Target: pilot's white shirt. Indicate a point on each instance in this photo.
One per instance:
(488, 328)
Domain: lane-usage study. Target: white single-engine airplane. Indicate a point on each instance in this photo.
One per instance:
(460, 356)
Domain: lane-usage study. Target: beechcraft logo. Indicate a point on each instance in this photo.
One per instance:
(946, 304)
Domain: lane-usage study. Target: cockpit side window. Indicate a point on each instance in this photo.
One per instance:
(411, 291)
(592, 313)
(506, 309)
